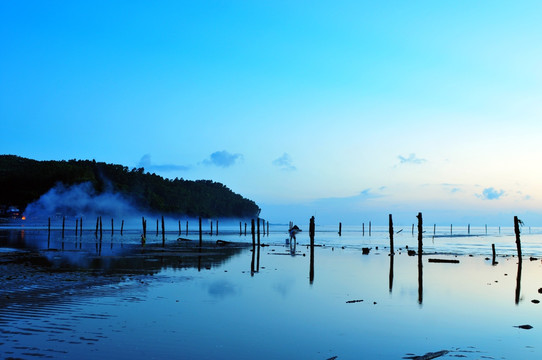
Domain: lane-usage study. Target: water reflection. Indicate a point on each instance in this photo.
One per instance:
(391, 272)
(420, 279)
(518, 281)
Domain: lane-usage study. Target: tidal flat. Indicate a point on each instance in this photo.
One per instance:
(80, 297)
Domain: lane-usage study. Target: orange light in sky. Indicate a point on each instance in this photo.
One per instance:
(24, 218)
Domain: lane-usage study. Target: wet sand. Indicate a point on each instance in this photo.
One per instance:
(222, 302)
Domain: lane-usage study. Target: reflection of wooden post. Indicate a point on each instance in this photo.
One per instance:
(245, 229)
(200, 237)
(391, 235)
(97, 225)
(516, 230)
(63, 221)
(163, 232)
(391, 273)
(518, 282)
(101, 228)
(311, 235)
(340, 228)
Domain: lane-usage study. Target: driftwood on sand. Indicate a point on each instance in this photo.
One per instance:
(428, 356)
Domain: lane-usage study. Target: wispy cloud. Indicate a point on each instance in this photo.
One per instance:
(284, 162)
(145, 162)
(491, 194)
(411, 159)
(223, 159)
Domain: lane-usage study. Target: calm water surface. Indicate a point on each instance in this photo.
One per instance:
(86, 299)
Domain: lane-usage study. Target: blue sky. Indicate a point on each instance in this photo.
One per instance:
(346, 110)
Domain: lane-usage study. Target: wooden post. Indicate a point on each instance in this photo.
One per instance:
(63, 221)
(258, 226)
(240, 228)
(412, 229)
(494, 254)
(48, 232)
(340, 228)
(311, 235)
(245, 229)
(101, 228)
(143, 227)
(420, 264)
(121, 227)
(217, 228)
(468, 230)
(268, 228)
(391, 235)
(163, 232)
(186, 227)
(179, 227)
(434, 229)
(81, 227)
(363, 229)
(76, 226)
(486, 229)
(420, 233)
(156, 227)
(97, 225)
(450, 229)
(200, 237)
(517, 222)
(111, 226)
(253, 234)
(369, 228)
(211, 227)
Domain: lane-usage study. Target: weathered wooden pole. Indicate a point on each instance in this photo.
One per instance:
(412, 229)
(340, 228)
(369, 228)
(486, 229)
(451, 225)
(81, 227)
(363, 229)
(157, 227)
(494, 254)
(240, 228)
(200, 236)
(121, 227)
(311, 235)
(267, 227)
(179, 227)
(434, 229)
(112, 227)
(97, 226)
(211, 227)
(420, 233)
(143, 226)
(253, 234)
(245, 229)
(186, 227)
(217, 227)
(517, 222)
(101, 228)
(468, 229)
(163, 232)
(63, 221)
(76, 226)
(258, 227)
(391, 234)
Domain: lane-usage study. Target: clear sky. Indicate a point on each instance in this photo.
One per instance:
(346, 110)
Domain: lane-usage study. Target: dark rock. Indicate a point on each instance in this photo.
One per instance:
(535, 301)
(365, 251)
(411, 252)
(525, 327)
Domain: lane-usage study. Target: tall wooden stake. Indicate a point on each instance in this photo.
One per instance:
(200, 235)
(391, 235)
(340, 228)
(517, 222)
(163, 232)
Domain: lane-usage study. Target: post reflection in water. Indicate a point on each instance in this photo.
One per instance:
(518, 281)
(420, 279)
(255, 262)
(391, 272)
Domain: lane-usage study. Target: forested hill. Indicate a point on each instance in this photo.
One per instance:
(23, 181)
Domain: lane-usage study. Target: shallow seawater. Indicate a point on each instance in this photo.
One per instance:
(115, 299)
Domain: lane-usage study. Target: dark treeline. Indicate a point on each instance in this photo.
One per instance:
(24, 180)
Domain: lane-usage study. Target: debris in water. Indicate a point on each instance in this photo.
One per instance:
(428, 356)
(525, 327)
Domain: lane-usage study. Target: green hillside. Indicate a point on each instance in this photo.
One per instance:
(23, 181)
